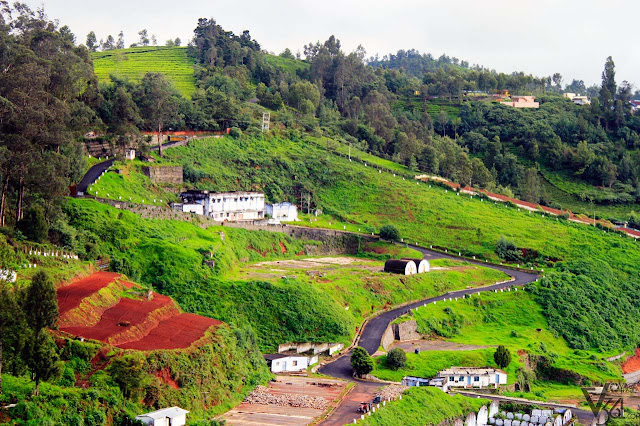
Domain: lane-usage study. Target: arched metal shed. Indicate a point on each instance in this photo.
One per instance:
(422, 265)
(400, 266)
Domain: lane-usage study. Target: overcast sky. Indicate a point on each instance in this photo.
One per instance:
(573, 37)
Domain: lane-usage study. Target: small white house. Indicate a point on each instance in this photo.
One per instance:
(172, 416)
(289, 362)
(473, 377)
(130, 154)
(285, 212)
(414, 381)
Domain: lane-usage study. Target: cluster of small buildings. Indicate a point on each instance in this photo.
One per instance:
(234, 206)
(461, 377)
(577, 99)
(407, 266)
(293, 357)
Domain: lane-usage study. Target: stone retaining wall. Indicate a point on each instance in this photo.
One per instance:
(407, 330)
(164, 174)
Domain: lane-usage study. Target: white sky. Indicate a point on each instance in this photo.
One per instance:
(573, 37)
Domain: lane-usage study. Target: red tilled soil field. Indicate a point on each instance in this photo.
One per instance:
(177, 332)
(128, 315)
(632, 364)
(70, 296)
(131, 323)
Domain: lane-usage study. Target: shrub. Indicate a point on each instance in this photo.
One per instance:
(389, 232)
(235, 132)
(502, 357)
(361, 361)
(507, 250)
(396, 359)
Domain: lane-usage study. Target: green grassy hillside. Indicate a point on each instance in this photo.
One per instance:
(291, 66)
(515, 320)
(170, 256)
(355, 196)
(126, 182)
(135, 62)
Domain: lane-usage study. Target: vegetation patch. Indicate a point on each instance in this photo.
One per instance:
(135, 62)
(412, 408)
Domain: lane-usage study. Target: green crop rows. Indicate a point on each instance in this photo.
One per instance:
(134, 63)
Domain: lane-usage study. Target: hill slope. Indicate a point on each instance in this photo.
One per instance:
(135, 62)
(359, 197)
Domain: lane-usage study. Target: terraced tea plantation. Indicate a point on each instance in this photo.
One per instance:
(134, 63)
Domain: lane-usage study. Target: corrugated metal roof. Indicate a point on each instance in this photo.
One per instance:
(170, 412)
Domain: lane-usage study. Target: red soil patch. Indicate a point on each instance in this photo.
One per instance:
(165, 376)
(632, 364)
(178, 332)
(124, 316)
(139, 324)
(70, 296)
(283, 248)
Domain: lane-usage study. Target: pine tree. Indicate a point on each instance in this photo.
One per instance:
(502, 357)
(92, 42)
(120, 43)
(41, 303)
(608, 91)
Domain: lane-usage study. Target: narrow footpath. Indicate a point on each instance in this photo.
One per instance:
(372, 336)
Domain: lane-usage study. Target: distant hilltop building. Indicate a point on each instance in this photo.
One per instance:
(223, 206)
(577, 99)
(522, 102)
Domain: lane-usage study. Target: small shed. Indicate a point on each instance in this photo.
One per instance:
(422, 265)
(172, 416)
(289, 362)
(400, 266)
(414, 381)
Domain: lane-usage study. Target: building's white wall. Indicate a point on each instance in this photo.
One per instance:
(178, 420)
(193, 208)
(287, 364)
(285, 212)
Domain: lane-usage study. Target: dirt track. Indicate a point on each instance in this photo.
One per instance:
(272, 414)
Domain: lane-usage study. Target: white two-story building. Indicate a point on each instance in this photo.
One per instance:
(225, 206)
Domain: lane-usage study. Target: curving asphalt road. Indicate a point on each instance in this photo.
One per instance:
(373, 331)
(372, 334)
(92, 175)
